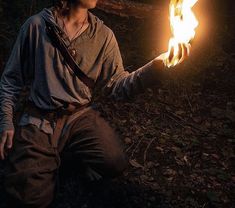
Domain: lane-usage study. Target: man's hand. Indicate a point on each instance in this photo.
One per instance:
(6, 141)
(178, 53)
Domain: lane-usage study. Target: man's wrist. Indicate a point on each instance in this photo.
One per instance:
(9, 127)
(158, 64)
(151, 73)
(160, 70)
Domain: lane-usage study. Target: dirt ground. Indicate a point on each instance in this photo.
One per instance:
(179, 135)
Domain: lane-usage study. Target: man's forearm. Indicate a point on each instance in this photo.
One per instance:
(8, 98)
(10, 87)
(6, 114)
(128, 85)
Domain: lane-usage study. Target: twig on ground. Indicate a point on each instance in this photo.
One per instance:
(172, 118)
(136, 147)
(190, 105)
(130, 147)
(171, 115)
(147, 148)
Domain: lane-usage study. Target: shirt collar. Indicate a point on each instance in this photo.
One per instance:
(93, 20)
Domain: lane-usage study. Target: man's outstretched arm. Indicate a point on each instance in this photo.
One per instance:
(122, 85)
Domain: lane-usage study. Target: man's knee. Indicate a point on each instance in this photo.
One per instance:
(116, 163)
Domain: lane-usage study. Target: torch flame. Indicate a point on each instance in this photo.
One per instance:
(183, 24)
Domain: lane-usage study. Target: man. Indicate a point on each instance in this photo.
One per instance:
(58, 116)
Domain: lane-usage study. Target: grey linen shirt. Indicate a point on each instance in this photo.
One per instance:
(36, 63)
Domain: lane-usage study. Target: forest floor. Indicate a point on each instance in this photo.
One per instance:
(179, 136)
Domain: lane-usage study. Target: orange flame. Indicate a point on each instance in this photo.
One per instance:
(183, 24)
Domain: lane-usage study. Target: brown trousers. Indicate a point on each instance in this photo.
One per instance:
(34, 160)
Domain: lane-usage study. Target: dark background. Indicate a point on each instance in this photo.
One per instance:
(179, 136)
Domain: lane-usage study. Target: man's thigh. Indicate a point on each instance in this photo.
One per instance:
(96, 145)
(31, 166)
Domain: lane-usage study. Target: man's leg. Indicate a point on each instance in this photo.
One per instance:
(95, 146)
(31, 168)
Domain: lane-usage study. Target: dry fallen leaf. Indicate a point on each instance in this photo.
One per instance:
(135, 164)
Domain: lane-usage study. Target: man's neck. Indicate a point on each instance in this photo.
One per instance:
(76, 15)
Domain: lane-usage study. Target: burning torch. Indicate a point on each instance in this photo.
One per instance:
(183, 24)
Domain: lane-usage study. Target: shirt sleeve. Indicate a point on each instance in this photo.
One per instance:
(119, 84)
(12, 82)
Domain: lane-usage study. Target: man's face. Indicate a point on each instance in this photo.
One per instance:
(88, 4)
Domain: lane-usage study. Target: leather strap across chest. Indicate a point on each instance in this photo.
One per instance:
(54, 35)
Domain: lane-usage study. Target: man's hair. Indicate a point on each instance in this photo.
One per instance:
(63, 6)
